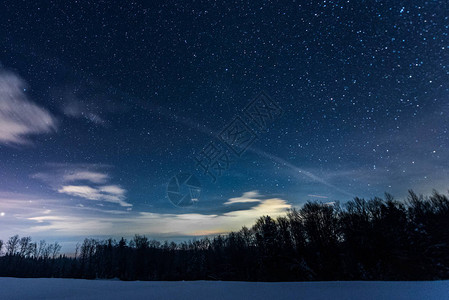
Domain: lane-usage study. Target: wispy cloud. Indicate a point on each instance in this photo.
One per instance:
(57, 174)
(89, 100)
(89, 182)
(80, 175)
(19, 117)
(245, 198)
(111, 193)
(75, 108)
(317, 196)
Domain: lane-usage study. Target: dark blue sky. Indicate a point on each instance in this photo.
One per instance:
(101, 104)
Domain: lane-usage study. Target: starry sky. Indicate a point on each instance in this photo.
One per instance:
(102, 103)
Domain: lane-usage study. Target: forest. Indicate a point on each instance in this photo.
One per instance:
(376, 239)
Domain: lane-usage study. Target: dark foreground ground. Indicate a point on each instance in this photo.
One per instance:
(15, 288)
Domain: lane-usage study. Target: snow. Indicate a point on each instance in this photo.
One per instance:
(45, 288)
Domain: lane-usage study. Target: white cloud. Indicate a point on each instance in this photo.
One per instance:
(82, 191)
(112, 189)
(19, 117)
(245, 198)
(111, 193)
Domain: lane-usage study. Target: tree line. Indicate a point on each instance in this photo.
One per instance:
(376, 239)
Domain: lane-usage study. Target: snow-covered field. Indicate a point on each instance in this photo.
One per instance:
(15, 288)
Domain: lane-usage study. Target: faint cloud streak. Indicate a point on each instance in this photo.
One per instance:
(19, 117)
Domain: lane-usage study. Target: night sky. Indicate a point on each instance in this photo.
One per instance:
(102, 103)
